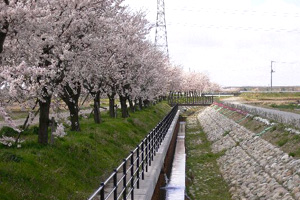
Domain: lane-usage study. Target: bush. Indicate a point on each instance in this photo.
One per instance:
(292, 154)
(8, 131)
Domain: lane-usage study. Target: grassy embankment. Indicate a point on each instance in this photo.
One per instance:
(73, 167)
(277, 134)
(204, 180)
(281, 101)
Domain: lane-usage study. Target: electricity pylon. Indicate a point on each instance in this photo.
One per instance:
(161, 40)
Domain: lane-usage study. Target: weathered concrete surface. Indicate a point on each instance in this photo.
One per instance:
(253, 167)
(147, 186)
(176, 187)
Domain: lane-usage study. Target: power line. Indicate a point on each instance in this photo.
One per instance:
(239, 12)
(243, 28)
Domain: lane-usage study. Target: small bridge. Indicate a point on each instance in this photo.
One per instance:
(190, 98)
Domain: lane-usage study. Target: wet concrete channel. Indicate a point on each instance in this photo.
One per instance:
(175, 188)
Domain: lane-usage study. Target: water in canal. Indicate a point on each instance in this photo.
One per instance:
(175, 188)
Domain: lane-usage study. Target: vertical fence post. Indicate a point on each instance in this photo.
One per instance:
(102, 192)
(115, 185)
(146, 153)
(131, 174)
(138, 166)
(152, 144)
(124, 180)
(143, 160)
(149, 149)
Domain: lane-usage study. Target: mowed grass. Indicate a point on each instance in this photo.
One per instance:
(204, 180)
(289, 106)
(270, 96)
(74, 166)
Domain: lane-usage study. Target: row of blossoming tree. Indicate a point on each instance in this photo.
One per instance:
(61, 50)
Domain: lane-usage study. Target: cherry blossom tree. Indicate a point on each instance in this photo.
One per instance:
(50, 37)
(52, 50)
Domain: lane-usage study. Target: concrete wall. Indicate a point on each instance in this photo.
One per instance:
(147, 186)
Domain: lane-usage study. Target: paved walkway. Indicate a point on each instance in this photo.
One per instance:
(277, 115)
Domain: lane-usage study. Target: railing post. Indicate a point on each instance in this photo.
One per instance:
(149, 149)
(152, 144)
(115, 185)
(124, 179)
(131, 174)
(138, 166)
(102, 192)
(146, 153)
(143, 160)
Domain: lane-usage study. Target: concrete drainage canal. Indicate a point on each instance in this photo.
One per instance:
(171, 183)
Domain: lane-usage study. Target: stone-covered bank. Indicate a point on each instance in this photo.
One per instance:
(203, 177)
(252, 167)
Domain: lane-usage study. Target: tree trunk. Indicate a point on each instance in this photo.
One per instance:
(72, 99)
(140, 104)
(123, 106)
(3, 35)
(74, 114)
(136, 104)
(131, 105)
(111, 105)
(97, 116)
(146, 102)
(44, 120)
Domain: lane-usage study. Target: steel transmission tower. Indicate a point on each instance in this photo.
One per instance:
(161, 40)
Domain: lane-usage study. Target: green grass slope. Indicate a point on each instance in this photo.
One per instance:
(73, 167)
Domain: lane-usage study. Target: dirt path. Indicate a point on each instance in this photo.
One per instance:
(277, 115)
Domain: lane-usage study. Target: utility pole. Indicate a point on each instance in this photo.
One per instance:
(161, 40)
(272, 71)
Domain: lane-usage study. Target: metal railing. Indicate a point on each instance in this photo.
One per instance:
(189, 98)
(126, 177)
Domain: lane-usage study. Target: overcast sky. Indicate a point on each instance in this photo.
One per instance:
(233, 41)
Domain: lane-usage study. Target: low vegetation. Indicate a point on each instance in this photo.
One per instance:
(204, 180)
(270, 96)
(73, 166)
(277, 134)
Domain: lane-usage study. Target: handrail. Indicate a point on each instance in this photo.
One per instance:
(189, 98)
(126, 177)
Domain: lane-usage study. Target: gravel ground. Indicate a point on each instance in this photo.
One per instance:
(253, 167)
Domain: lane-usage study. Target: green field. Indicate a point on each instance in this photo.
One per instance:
(73, 167)
(270, 96)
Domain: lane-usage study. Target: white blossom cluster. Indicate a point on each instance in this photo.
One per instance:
(9, 141)
(60, 131)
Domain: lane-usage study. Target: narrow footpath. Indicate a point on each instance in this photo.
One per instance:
(283, 116)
